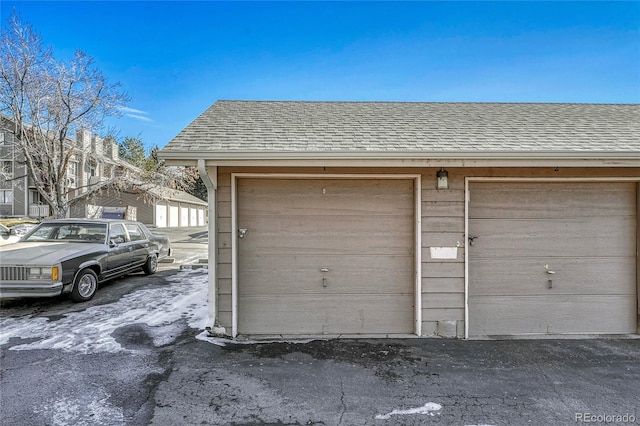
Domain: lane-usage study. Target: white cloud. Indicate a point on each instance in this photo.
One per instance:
(128, 110)
(134, 113)
(139, 117)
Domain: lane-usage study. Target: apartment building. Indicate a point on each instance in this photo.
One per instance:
(95, 161)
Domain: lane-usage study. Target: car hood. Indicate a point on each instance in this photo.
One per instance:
(9, 240)
(46, 253)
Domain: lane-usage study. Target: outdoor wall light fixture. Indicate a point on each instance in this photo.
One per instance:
(442, 179)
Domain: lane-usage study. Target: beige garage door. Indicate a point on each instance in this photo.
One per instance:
(323, 256)
(552, 258)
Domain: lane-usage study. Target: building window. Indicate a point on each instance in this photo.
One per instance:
(6, 196)
(35, 197)
(72, 174)
(6, 137)
(6, 169)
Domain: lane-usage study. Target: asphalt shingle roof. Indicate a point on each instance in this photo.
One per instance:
(165, 193)
(396, 127)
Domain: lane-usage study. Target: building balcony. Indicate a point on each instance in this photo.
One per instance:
(94, 180)
(39, 210)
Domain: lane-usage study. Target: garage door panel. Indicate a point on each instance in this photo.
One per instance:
(553, 315)
(299, 314)
(361, 230)
(589, 236)
(346, 275)
(585, 232)
(265, 197)
(551, 200)
(527, 276)
(326, 235)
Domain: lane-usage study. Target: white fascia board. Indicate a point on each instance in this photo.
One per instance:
(415, 163)
(407, 155)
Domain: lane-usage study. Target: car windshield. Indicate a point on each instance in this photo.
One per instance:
(76, 232)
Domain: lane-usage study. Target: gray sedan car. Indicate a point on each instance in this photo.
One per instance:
(73, 256)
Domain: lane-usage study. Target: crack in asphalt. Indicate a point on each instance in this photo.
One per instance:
(152, 382)
(342, 397)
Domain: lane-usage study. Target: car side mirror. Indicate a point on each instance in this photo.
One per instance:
(112, 243)
(12, 231)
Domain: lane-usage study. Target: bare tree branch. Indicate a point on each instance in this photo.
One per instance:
(47, 100)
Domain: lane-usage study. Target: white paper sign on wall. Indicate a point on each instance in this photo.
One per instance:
(444, 252)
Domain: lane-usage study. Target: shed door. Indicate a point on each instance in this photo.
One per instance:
(323, 256)
(174, 216)
(184, 216)
(161, 215)
(552, 258)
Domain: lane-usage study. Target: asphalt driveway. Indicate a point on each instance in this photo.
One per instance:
(360, 382)
(136, 355)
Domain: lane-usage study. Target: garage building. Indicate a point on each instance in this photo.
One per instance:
(466, 220)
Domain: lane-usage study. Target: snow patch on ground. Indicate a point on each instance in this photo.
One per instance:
(90, 331)
(428, 408)
(78, 412)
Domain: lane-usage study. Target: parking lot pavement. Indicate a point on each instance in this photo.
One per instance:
(402, 382)
(188, 245)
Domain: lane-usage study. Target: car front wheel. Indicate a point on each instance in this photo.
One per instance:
(151, 266)
(85, 286)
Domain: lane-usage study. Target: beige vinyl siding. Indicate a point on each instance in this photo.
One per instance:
(144, 205)
(442, 279)
(584, 232)
(360, 230)
(223, 221)
(77, 210)
(638, 256)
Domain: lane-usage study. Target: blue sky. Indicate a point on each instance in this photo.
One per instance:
(176, 58)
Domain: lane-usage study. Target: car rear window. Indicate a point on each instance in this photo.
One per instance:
(134, 232)
(91, 232)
